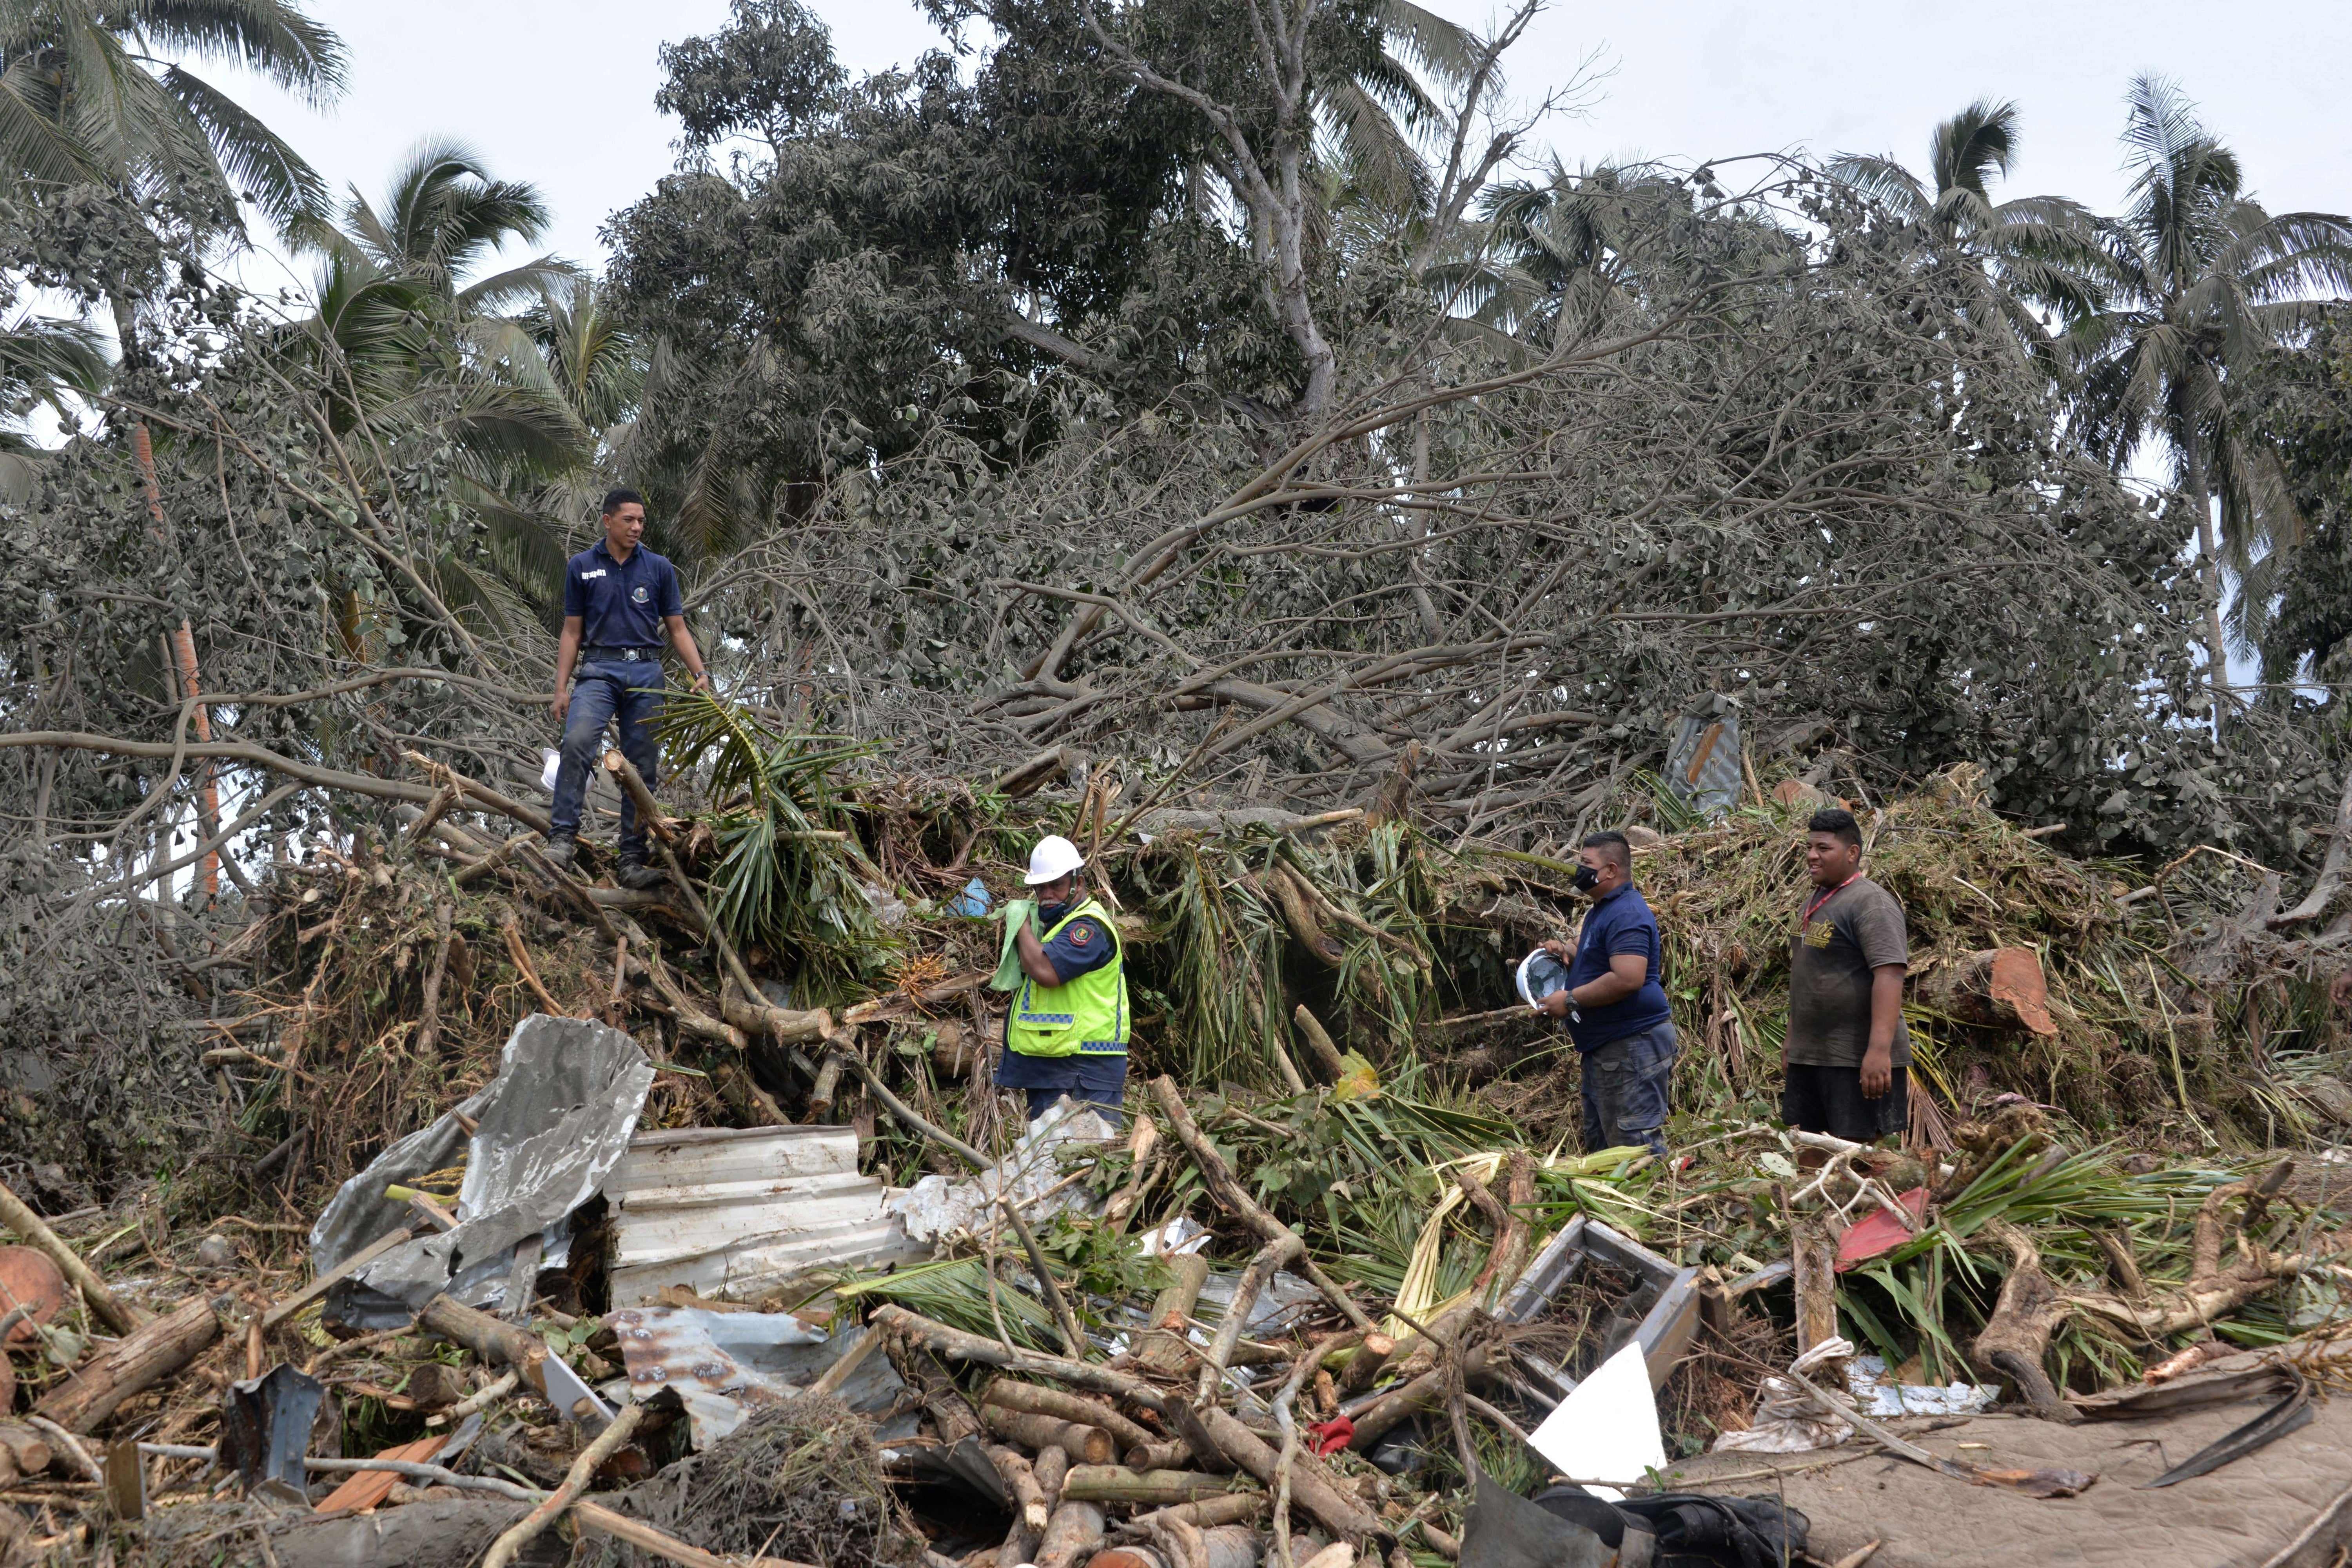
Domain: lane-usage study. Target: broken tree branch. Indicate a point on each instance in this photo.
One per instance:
(610, 1441)
(1219, 1178)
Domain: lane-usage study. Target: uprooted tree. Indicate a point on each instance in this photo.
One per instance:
(1267, 471)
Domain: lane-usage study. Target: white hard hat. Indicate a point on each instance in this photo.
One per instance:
(1053, 858)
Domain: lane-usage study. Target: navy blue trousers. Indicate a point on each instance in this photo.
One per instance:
(1098, 1078)
(602, 692)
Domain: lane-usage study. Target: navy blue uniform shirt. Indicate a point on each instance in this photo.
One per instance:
(621, 602)
(1620, 923)
(1080, 948)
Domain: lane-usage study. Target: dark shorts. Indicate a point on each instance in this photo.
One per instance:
(1095, 1076)
(1829, 1099)
(1624, 1085)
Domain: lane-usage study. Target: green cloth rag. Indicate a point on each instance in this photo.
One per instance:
(1018, 912)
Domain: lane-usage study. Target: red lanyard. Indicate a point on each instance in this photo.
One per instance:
(1815, 907)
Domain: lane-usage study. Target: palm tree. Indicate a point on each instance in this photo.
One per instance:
(2016, 258)
(1561, 251)
(396, 305)
(411, 342)
(443, 214)
(90, 93)
(41, 362)
(2201, 282)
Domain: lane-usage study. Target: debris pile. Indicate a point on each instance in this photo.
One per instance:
(688, 1221)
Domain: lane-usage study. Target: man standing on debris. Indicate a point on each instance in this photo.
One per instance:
(1067, 1031)
(1615, 1005)
(1847, 1058)
(619, 598)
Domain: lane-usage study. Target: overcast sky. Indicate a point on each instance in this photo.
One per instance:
(562, 94)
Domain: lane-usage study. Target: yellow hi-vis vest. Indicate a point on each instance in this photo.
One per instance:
(1089, 1015)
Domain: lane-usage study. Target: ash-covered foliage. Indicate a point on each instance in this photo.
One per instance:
(1274, 443)
(800, 1479)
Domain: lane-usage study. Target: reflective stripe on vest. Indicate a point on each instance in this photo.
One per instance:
(1086, 1016)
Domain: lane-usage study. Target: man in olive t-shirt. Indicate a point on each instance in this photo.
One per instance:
(1847, 1057)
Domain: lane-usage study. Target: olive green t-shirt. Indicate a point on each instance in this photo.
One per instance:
(1830, 957)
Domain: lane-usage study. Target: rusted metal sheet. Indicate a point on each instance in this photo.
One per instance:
(724, 1366)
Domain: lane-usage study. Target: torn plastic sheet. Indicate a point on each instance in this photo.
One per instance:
(725, 1365)
(1875, 1393)
(1179, 1238)
(1786, 1420)
(936, 1209)
(548, 1130)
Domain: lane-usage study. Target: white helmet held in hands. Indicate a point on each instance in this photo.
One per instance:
(1053, 858)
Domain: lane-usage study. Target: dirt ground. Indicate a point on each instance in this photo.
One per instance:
(2286, 1506)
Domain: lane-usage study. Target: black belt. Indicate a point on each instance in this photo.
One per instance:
(607, 653)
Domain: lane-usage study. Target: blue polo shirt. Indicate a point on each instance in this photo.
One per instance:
(1620, 923)
(621, 602)
(1080, 948)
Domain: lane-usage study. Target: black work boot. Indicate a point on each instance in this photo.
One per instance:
(635, 875)
(559, 847)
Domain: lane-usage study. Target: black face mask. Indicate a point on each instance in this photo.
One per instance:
(1585, 880)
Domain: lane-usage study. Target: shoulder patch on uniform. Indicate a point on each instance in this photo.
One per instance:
(1081, 934)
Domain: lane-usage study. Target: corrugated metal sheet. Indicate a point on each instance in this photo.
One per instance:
(735, 1213)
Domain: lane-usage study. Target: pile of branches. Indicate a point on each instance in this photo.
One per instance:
(1336, 1160)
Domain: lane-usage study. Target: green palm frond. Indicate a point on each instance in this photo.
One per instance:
(262, 165)
(515, 285)
(1446, 52)
(46, 361)
(1973, 145)
(1885, 181)
(37, 147)
(443, 212)
(775, 884)
(276, 40)
(1373, 154)
(89, 94)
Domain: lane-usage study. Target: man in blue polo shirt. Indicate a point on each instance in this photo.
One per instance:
(619, 599)
(1615, 1007)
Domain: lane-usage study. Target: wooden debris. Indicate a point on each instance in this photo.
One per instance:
(1014, 1394)
(608, 1442)
(1117, 1483)
(131, 1365)
(1088, 1444)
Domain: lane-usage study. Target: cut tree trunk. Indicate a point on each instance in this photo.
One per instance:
(1075, 1530)
(2000, 986)
(131, 1365)
(1815, 1257)
(1014, 1394)
(1086, 1445)
(18, 1216)
(1225, 1546)
(1029, 1501)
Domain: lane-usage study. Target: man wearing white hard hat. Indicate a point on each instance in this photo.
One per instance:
(1067, 1031)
